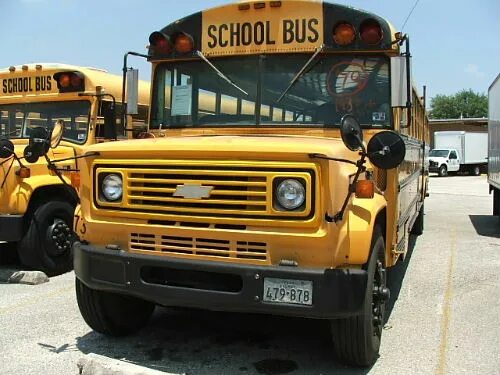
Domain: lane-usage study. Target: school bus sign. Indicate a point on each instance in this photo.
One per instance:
(27, 84)
(286, 29)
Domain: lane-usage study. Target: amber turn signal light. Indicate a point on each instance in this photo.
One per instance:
(75, 179)
(24, 172)
(365, 189)
(184, 43)
(344, 34)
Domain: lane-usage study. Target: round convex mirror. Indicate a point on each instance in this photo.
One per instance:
(351, 133)
(30, 154)
(6, 148)
(38, 144)
(57, 133)
(386, 150)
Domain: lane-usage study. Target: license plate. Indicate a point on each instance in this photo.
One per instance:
(297, 292)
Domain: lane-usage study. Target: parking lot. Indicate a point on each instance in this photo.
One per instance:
(444, 319)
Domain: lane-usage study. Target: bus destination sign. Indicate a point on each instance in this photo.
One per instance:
(256, 30)
(27, 85)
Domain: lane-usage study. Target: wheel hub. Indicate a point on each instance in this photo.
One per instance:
(59, 238)
(381, 294)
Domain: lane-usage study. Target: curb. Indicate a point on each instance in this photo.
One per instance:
(95, 364)
(16, 276)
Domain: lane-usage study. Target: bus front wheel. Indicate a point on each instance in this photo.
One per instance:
(47, 244)
(356, 339)
(110, 313)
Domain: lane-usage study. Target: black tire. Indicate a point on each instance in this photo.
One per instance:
(110, 313)
(443, 171)
(356, 339)
(496, 202)
(47, 244)
(418, 225)
(475, 170)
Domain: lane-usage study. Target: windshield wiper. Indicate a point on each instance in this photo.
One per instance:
(219, 73)
(301, 71)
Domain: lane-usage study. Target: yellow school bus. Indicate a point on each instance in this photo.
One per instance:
(286, 173)
(36, 209)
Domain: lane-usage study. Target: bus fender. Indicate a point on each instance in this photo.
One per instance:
(363, 214)
(22, 197)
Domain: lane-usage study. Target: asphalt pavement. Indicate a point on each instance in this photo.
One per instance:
(443, 319)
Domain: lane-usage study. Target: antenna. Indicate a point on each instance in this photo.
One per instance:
(409, 14)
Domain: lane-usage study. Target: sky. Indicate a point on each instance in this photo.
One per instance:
(455, 44)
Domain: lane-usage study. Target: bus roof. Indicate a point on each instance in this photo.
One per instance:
(253, 27)
(111, 83)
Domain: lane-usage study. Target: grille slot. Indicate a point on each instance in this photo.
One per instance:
(151, 243)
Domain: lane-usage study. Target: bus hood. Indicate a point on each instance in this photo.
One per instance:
(213, 147)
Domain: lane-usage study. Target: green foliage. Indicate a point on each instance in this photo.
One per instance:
(465, 103)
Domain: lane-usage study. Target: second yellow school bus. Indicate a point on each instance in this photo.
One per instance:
(248, 199)
(36, 209)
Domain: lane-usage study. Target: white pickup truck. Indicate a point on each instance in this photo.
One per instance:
(459, 151)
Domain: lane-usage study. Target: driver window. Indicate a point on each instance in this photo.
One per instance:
(453, 155)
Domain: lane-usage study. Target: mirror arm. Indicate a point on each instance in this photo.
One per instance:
(51, 166)
(88, 154)
(407, 55)
(340, 215)
(8, 171)
(321, 156)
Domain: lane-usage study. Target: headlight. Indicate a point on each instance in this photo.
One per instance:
(112, 187)
(291, 194)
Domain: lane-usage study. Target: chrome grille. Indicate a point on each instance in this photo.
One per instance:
(197, 246)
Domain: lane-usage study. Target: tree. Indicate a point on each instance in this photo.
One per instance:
(464, 104)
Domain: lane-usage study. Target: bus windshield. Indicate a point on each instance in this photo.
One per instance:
(191, 93)
(17, 120)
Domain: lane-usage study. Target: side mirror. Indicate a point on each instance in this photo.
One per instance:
(109, 114)
(399, 82)
(386, 150)
(38, 145)
(351, 133)
(6, 148)
(57, 134)
(132, 91)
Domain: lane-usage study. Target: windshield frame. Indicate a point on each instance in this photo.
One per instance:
(160, 121)
(27, 107)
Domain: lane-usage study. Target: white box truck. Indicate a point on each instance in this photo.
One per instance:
(459, 151)
(494, 143)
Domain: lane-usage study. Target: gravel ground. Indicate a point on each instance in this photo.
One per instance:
(444, 318)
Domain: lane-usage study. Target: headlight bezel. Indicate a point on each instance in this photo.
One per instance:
(101, 180)
(278, 205)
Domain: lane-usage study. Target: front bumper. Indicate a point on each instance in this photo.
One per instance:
(215, 285)
(11, 228)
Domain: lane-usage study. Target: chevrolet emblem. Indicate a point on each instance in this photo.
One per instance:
(193, 191)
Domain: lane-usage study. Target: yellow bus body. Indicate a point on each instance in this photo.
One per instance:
(36, 85)
(217, 250)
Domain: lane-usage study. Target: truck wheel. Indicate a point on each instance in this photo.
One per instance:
(476, 171)
(110, 313)
(496, 202)
(418, 225)
(356, 339)
(47, 244)
(443, 171)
